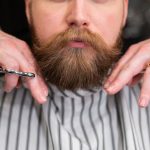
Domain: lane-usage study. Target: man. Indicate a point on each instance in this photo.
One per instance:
(75, 44)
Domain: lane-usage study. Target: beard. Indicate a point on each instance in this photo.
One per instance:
(73, 68)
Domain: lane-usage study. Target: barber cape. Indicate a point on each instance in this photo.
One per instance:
(82, 120)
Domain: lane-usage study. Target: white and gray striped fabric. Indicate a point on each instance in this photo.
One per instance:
(82, 120)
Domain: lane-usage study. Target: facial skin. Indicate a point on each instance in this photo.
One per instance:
(106, 18)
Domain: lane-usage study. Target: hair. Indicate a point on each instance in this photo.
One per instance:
(73, 68)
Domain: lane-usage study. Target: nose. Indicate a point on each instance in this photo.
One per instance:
(77, 14)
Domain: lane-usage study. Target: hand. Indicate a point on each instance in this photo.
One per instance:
(16, 55)
(128, 72)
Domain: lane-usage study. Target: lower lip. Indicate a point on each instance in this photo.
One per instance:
(77, 44)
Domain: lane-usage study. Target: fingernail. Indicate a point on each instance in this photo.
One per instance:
(111, 88)
(143, 102)
(8, 90)
(46, 93)
(107, 84)
(43, 99)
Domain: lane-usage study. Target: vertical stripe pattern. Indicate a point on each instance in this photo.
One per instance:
(81, 120)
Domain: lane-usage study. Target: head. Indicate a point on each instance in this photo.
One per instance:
(76, 41)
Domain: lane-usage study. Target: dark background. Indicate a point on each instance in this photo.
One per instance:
(13, 20)
(138, 22)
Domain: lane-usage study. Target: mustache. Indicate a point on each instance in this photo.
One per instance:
(72, 34)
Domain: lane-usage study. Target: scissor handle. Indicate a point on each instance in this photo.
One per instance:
(23, 74)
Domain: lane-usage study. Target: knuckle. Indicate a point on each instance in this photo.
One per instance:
(118, 64)
(11, 81)
(32, 62)
(23, 44)
(147, 72)
(13, 65)
(30, 68)
(7, 46)
(6, 42)
(145, 95)
(145, 47)
(132, 47)
(128, 69)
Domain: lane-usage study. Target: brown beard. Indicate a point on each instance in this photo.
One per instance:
(74, 68)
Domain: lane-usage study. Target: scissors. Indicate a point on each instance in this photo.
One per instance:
(22, 74)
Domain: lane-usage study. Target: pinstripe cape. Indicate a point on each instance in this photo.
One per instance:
(81, 120)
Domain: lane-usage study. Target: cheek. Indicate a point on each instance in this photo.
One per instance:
(112, 31)
(109, 26)
(46, 23)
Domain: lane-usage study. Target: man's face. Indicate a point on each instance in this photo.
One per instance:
(95, 25)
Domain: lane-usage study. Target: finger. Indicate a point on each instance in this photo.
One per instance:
(127, 56)
(26, 52)
(20, 49)
(44, 85)
(145, 91)
(36, 85)
(25, 62)
(135, 80)
(10, 80)
(134, 67)
(24, 65)
(35, 89)
(123, 61)
(41, 98)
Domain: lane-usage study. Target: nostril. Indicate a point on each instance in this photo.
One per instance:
(72, 24)
(84, 24)
(78, 23)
